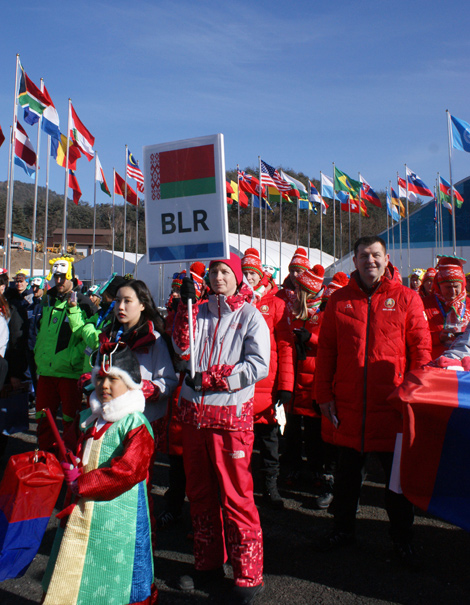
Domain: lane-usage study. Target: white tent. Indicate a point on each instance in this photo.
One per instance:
(159, 277)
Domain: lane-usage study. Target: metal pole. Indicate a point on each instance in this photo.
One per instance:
(114, 220)
(454, 230)
(46, 209)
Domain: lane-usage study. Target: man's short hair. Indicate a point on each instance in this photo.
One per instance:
(368, 240)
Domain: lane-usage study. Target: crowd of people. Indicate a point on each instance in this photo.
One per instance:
(302, 370)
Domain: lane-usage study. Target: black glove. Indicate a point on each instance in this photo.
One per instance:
(283, 396)
(302, 335)
(196, 382)
(187, 290)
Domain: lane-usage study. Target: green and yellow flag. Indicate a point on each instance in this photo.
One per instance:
(343, 182)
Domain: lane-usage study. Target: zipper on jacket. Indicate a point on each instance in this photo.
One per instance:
(364, 402)
(201, 405)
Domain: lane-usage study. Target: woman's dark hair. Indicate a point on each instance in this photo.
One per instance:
(4, 308)
(150, 312)
(4, 280)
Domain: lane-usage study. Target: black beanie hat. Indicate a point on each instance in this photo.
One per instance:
(116, 359)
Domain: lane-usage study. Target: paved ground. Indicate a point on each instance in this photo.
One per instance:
(294, 573)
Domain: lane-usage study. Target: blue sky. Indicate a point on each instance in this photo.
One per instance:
(303, 84)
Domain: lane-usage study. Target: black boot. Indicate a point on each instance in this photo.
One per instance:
(271, 495)
(324, 496)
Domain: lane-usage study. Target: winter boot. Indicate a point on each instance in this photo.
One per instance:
(271, 494)
(325, 495)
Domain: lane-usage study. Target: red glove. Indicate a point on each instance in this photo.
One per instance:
(466, 364)
(71, 474)
(446, 362)
(150, 390)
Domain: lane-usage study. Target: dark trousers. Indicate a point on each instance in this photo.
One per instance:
(303, 435)
(347, 488)
(267, 439)
(175, 494)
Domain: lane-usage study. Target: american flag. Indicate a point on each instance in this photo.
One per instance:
(134, 172)
(270, 176)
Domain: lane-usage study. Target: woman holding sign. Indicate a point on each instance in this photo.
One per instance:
(231, 353)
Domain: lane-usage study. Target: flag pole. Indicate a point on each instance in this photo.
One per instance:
(360, 210)
(35, 202)
(66, 184)
(334, 220)
(260, 212)
(408, 219)
(136, 236)
(399, 225)
(252, 218)
(450, 141)
(308, 227)
(349, 217)
(436, 210)
(94, 223)
(238, 194)
(7, 206)
(280, 237)
(321, 224)
(296, 222)
(125, 221)
(266, 225)
(114, 220)
(12, 164)
(46, 208)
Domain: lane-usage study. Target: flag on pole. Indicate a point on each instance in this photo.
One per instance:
(460, 134)
(134, 172)
(391, 209)
(119, 188)
(398, 203)
(412, 197)
(348, 203)
(270, 176)
(99, 176)
(307, 205)
(316, 197)
(84, 139)
(2, 137)
(343, 182)
(59, 152)
(264, 203)
(416, 185)
(368, 194)
(236, 194)
(31, 99)
(25, 155)
(73, 184)
(327, 187)
(50, 118)
(296, 185)
(245, 182)
(445, 194)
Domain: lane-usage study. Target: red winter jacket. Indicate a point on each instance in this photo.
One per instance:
(367, 343)
(281, 374)
(436, 322)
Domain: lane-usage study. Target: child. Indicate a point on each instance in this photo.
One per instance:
(103, 554)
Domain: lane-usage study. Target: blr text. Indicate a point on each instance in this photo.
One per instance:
(174, 222)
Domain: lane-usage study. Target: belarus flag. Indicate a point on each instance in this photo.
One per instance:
(184, 172)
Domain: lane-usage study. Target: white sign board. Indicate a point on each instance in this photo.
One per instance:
(185, 200)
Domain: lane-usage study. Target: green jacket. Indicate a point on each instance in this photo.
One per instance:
(59, 349)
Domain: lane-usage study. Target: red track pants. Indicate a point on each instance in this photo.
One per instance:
(218, 478)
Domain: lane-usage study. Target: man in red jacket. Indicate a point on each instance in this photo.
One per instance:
(373, 332)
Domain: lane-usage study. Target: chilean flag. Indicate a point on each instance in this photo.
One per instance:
(435, 457)
(416, 185)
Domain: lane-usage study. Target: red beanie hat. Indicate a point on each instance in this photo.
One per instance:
(339, 280)
(198, 270)
(311, 280)
(234, 262)
(252, 262)
(430, 274)
(300, 260)
(449, 268)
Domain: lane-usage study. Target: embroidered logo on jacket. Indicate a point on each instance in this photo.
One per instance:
(264, 309)
(236, 326)
(389, 304)
(238, 454)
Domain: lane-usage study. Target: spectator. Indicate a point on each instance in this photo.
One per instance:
(428, 280)
(373, 331)
(59, 349)
(416, 278)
